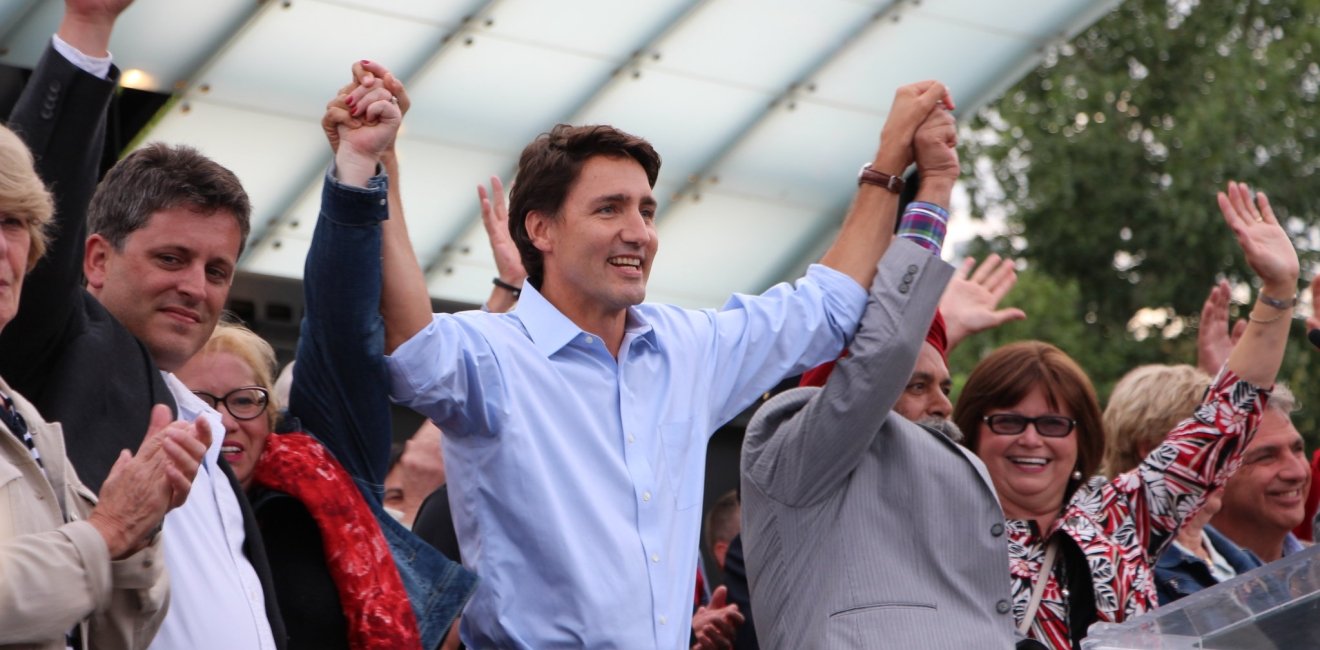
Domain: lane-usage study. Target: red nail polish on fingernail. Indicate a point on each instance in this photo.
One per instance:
(364, 61)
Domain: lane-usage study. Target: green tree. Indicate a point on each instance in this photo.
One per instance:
(1104, 162)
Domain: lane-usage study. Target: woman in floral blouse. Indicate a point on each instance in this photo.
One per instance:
(1032, 416)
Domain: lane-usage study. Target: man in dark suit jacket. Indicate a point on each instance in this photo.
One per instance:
(168, 227)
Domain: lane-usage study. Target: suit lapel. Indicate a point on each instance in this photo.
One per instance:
(966, 455)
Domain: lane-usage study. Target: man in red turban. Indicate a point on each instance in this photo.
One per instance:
(925, 399)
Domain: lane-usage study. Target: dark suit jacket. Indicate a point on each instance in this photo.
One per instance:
(63, 351)
(435, 523)
(862, 529)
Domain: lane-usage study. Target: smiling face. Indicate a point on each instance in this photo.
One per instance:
(1269, 492)
(1030, 471)
(598, 250)
(169, 282)
(218, 373)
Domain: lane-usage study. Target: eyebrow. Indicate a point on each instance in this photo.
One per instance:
(623, 198)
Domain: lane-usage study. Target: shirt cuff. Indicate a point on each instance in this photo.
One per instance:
(844, 298)
(349, 205)
(97, 66)
(925, 224)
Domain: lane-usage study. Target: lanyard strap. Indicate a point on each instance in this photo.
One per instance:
(1046, 566)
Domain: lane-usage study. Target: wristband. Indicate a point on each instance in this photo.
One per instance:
(516, 291)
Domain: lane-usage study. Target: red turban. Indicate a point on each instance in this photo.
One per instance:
(936, 336)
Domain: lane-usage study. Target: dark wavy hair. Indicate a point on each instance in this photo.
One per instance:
(548, 168)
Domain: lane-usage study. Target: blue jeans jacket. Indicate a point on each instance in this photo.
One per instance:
(339, 390)
(1178, 574)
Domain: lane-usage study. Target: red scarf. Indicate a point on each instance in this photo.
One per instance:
(370, 589)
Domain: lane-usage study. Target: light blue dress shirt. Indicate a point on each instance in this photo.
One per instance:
(575, 480)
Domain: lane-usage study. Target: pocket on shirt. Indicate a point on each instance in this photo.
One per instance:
(685, 463)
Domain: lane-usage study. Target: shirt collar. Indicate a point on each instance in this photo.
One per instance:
(192, 407)
(1291, 544)
(550, 330)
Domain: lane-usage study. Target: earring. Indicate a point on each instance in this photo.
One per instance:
(1077, 475)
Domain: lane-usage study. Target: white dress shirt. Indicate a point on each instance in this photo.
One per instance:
(215, 596)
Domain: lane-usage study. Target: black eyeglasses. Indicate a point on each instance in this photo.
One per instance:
(243, 403)
(1011, 424)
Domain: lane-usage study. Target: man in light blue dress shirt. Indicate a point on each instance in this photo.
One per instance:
(576, 425)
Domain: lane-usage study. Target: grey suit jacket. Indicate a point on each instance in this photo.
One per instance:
(862, 529)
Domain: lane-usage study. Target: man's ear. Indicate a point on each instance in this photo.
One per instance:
(540, 229)
(96, 254)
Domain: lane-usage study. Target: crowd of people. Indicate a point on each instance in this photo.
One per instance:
(160, 488)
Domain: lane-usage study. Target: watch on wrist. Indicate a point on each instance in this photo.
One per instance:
(869, 176)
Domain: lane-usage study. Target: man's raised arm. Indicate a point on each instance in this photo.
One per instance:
(61, 116)
(869, 225)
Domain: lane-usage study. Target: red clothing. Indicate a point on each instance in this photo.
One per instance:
(370, 589)
(1123, 525)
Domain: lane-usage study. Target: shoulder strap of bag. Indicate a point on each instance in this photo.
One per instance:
(1037, 591)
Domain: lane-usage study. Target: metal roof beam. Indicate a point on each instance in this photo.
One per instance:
(310, 178)
(640, 55)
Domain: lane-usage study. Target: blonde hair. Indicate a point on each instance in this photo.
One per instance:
(233, 338)
(22, 194)
(1147, 403)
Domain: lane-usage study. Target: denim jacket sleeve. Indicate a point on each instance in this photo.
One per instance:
(339, 386)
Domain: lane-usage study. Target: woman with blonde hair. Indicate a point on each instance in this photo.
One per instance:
(346, 574)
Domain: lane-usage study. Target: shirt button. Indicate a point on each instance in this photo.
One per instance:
(1002, 607)
(631, 439)
(997, 530)
(646, 496)
(663, 620)
(655, 557)
(383, 201)
(591, 339)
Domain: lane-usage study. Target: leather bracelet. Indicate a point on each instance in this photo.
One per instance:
(516, 291)
(869, 176)
(1276, 303)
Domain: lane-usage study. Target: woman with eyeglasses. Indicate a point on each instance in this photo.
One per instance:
(306, 503)
(1082, 547)
(345, 573)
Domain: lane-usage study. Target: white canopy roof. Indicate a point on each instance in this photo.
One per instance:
(762, 109)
